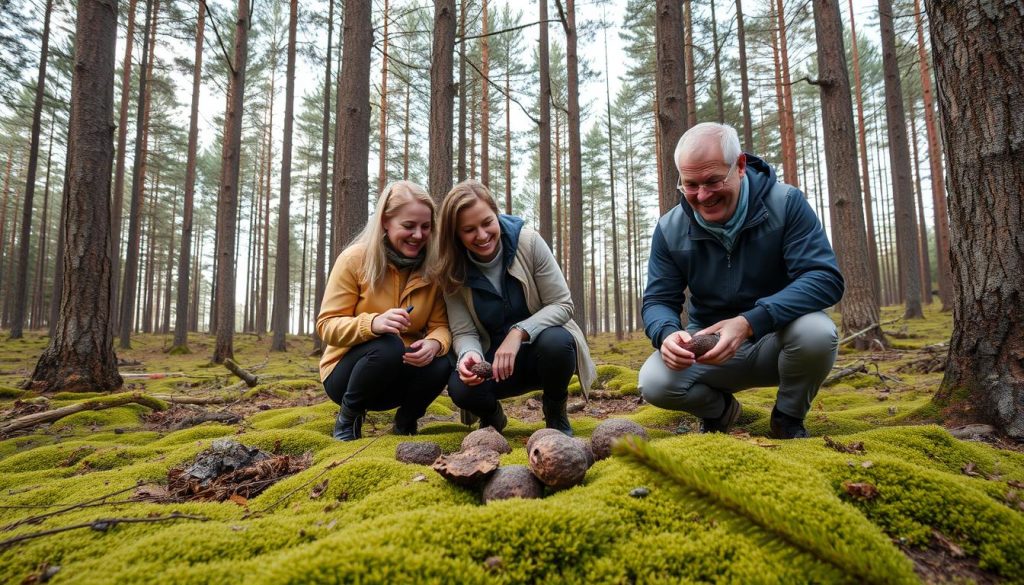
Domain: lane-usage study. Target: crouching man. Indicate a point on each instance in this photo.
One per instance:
(760, 272)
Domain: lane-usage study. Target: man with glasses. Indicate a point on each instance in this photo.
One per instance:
(760, 273)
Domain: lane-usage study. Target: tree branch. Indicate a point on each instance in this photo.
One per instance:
(505, 30)
(35, 419)
(501, 90)
(100, 525)
(216, 32)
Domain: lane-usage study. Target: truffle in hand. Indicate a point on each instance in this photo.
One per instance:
(701, 344)
(482, 369)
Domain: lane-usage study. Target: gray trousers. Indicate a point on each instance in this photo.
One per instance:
(796, 358)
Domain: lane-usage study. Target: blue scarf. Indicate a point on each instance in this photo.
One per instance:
(728, 232)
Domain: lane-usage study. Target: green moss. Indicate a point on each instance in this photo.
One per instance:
(10, 392)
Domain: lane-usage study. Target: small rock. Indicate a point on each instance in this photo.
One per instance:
(532, 404)
(640, 492)
(418, 452)
(487, 438)
(558, 461)
(967, 432)
(494, 563)
(575, 407)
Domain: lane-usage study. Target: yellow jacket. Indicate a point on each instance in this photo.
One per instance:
(348, 309)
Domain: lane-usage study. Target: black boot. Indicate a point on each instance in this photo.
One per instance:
(496, 419)
(348, 426)
(784, 426)
(404, 423)
(555, 416)
(725, 421)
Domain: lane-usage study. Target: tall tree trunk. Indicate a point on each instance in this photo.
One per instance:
(718, 66)
(3, 208)
(671, 102)
(131, 267)
(302, 269)
(150, 240)
(544, 128)
(325, 143)
(859, 305)
(21, 280)
(165, 324)
(122, 139)
(382, 169)
(227, 202)
(281, 268)
(485, 101)
(941, 213)
(865, 175)
(575, 163)
(184, 264)
(58, 269)
(442, 96)
(44, 220)
(80, 356)
(977, 47)
(789, 140)
(463, 89)
(408, 125)
(926, 264)
(264, 297)
(592, 305)
(899, 157)
(508, 136)
(616, 281)
(748, 126)
(559, 232)
(691, 83)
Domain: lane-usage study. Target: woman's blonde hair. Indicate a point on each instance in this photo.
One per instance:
(394, 196)
(450, 270)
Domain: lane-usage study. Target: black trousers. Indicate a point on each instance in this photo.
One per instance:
(548, 363)
(372, 376)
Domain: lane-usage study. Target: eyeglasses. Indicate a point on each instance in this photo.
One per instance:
(711, 187)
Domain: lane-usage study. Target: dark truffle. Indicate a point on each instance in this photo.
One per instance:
(538, 434)
(701, 344)
(587, 450)
(487, 438)
(558, 461)
(482, 369)
(512, 481)
(608, 431)
(418, 452)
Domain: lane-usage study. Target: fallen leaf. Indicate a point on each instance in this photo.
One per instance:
(240, 500)
(867, 465)
(420, 477)
(318, 490)
(331, 524)
(853, 448)
(861, 490)
(971, 468)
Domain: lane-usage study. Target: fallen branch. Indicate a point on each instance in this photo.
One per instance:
(858, 368)
(39, 517)
(100, 525)
(249, 379)
(866, 329)
(193, 399)
(48, 416)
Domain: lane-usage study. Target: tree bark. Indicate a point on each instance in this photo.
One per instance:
(941, 213)
(719, 104)
(325, 143)
(575, 165)
(44, 221)
(859, 305)
(544, 128)
(463, 89)
(616, 281)
(748, 126)
(227, 202)
(671, 99)
(352, 143)
(442, 96)
(899, 158)
(21, 280)
(926, 264)
(691, 83)
(80, 356)
(789, 140)
(382, 168)
(485, 102)
(282, 270)
(977, 47)
(184, 264)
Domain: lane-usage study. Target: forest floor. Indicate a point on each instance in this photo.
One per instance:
(880, 493)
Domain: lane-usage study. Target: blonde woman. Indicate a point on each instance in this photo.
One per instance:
(383, 322)
(508, 304)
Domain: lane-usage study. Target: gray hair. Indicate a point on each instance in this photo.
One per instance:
(730, 141)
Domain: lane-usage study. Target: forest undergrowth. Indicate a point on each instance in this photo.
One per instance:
(880, 493)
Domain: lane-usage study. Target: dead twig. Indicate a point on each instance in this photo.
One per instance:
(39, 517)
(249, 379)
(858, 368)
(100, 525)
(48, 416)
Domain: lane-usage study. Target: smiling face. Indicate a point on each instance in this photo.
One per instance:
(478, 230)
(701, 166)
(408, 230)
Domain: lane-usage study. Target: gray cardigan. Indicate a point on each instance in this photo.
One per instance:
(547, 298)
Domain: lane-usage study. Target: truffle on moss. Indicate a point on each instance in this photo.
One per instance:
(537, 435)
(558, 461)
(608, 431)
(418, 452)
(512, 481)
(487, 438)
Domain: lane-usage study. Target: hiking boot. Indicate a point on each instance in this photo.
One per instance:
(784, 426)
(467, 418)
(725, 421)
(555, 416)
(496, 419)
(348, 426)
(404, 424)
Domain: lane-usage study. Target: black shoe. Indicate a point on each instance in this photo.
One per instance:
(725, 421)
(404, 424)
(496, 419)
(467, 418)
(348, 426)
(555, 416)
(784, 426)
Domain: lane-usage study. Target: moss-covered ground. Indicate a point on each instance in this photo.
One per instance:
(741, 508)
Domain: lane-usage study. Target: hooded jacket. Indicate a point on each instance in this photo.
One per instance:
(781, 266)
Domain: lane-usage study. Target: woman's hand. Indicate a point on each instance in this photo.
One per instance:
(505, 357)
(467, 376)
(422, 352)
(391, 321)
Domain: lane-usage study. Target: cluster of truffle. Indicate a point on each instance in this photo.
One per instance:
(556, 461)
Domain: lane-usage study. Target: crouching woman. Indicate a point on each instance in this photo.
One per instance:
(383, 323)
(508, 304)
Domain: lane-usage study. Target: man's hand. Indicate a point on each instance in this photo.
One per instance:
(673, 354)
(465, 373)
(422, 352)
(391, 321)
(505, 356)
(733, 332)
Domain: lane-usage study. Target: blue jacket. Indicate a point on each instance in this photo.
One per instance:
(781, 266)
